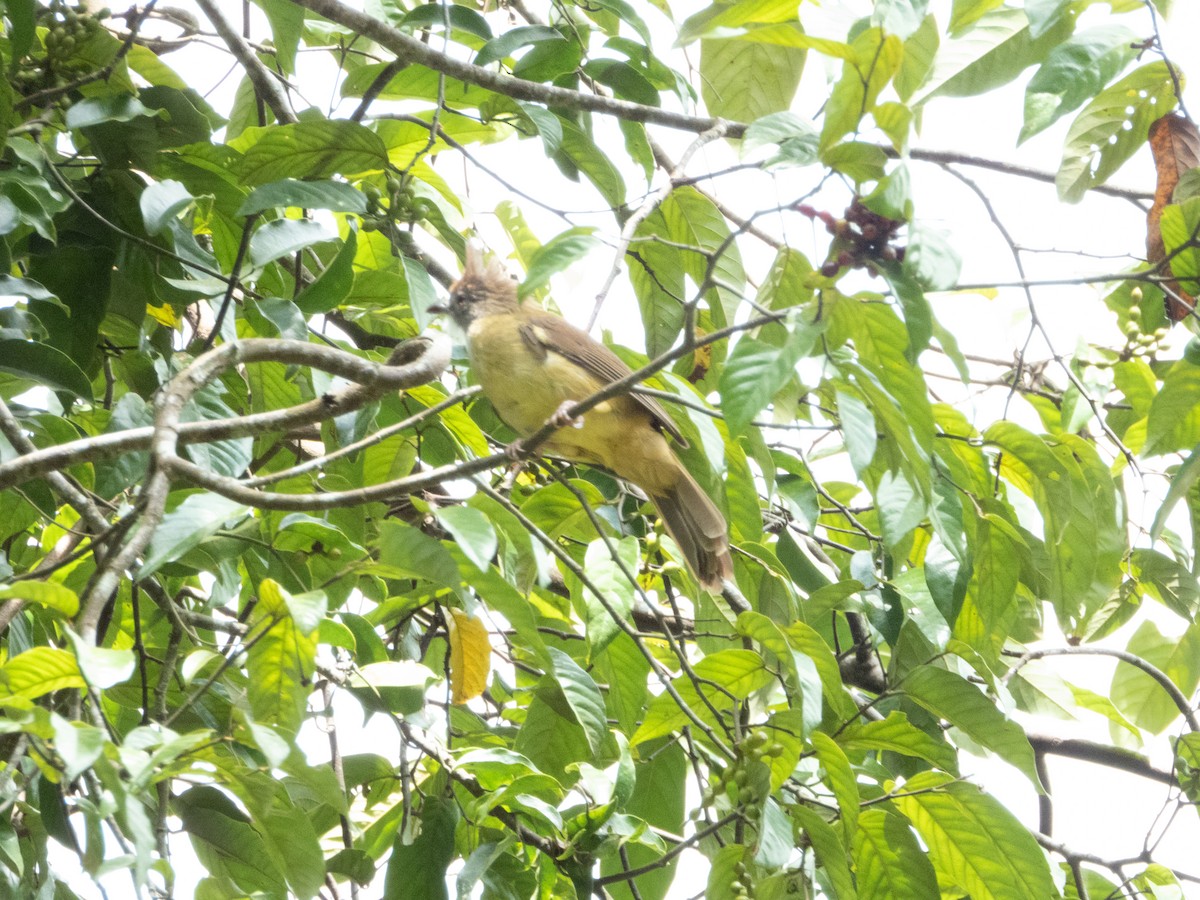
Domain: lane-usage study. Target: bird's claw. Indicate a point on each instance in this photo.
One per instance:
(562, 416)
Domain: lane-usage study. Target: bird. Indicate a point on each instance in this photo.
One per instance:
(534, 365)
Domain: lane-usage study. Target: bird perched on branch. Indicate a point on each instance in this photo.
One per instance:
(534, 365)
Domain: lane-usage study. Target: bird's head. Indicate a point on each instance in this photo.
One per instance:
(483, 289)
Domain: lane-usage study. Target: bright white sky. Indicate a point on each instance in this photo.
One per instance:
(1097, 810)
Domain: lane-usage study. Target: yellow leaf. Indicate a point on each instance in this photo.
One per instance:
(470, 656)
(163, 315)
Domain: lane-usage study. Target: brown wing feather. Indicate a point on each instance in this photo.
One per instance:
(593, 357)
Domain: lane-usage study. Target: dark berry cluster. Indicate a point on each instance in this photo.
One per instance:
(861, 236)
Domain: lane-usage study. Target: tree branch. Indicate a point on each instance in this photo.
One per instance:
(1101, 755)
(373, 381)
(264, 81)
(412, 51)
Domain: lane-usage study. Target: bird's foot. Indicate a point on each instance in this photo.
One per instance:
(562, 416)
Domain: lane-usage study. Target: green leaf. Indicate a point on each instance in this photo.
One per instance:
(744, 81)
(102, 667)
(995, 51)
(397, 686)
(609, 578)
(974, 841)
(1174, 420)
(556, 255)
(161, 202)
(514, 39)
(800, 668)
(1074, 72)
(316, 149)
(407, 552)
(1180, 223)
(49, 594)
(21, 13)
(549, 60)
(45, 365)
(897, 735)
(552, 738)
(225, 841)
(830, 851)
(284, 237)
(188, 525)
(282, 655)
(966, 12)
(38, 671)
(1083, 522)
(889, 862)
(328, 194)
(695, 221)
(333, 285)
(78, 745)
(24, 287)
(1111, 128)
(839, 778)
(1043, 14)
(1181, 482)
(96, 110)
(583, 697)
(462, 18)
(721, 18)
(804, 639)
(724, 677)
(288, 833)
(421, 296)
(991, 606)
(931, 259)
(287, 25)
(1172, 584)
(951, 697)
(876, 59)
(754, 373)
(857, 160)
(920, 54)
(414, 82)
(899, 17)
(472, 533)
(578, 152)
(626, 81)
(795, 138)
(858, 430)
(659, 799)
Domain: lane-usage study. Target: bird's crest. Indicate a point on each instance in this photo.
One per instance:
(490, 273)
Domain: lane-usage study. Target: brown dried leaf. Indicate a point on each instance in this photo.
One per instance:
(1175, 143)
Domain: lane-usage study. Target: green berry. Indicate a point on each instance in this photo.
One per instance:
(1192, 351)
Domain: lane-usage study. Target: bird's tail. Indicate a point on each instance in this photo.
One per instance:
(698, 528)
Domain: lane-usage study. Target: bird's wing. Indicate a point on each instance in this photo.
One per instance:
(545, 332)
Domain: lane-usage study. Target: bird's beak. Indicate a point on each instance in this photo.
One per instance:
(437, 309)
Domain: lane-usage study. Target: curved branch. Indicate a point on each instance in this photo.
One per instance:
(1159, 676)
(164, 442)
(374, 380)
(1100, 754)
(410, 50)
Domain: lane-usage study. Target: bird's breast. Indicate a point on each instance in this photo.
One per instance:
(527, 384)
